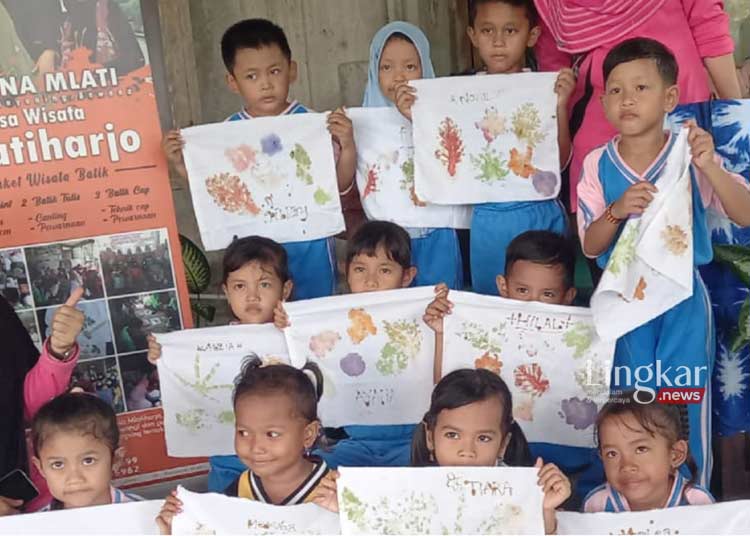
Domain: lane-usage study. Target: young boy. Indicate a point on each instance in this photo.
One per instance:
(260, 69)
(618, 181)
(75, 439)
(502, 32)
(539, 266)
(378, 257)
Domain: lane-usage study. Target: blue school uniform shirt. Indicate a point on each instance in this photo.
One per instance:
(605, 498)
(117, 496)
(312, 263)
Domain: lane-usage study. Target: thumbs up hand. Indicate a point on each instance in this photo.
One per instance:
(67, 323)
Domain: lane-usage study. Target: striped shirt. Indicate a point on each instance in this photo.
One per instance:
(118, 496)
(607, 499)
(294, 108)
(249, 486)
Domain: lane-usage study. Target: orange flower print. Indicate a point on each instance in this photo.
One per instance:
(521, 164)
(640, 290)
(362, 325)
(675, 239)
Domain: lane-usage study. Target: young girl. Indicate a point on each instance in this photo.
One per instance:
(256, 278)
(276, 423)
(470, 423)
(75, 439)
(642, 447)
(400, 52)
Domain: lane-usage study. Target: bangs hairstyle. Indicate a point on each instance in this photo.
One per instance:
(83, 413)
(391, 237)
(667, 420)
(641, 48)
(543, 247)
(304, 386)
(463, 387)
(528, 5)
(252, 33)
(255, 248)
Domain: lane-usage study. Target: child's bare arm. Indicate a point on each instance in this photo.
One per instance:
(556, 488)
(724, 76)
(433, 317)
(734, 197)
(341, 128)
(564, 87)
(172, 145)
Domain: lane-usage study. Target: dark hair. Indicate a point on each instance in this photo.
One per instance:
(667, 420)
(255, 248)
(460, 388)
(543, 247)
(75, 412)
(641, 48)
(528, 5)
(256, 378)
(252, 33)
(391, 237)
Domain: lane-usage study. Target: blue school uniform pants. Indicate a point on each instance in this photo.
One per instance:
(371, 446)
(437, 257)
(312, 265)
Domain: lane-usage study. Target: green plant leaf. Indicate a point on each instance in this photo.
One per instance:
(197, 269)
(736, 258)
(742, 335)
(206, 312)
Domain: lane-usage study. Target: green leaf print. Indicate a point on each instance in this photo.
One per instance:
(482, 338)
(321, 197)
(491, 165)
(527, 125)
(226, 417)
(303, 162)
(407, 168)
(202, 384)
(192, 419)
(404, 343)
(580, 337)
(624, 252)
(353, 508)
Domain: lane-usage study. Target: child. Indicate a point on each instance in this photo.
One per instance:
(75, 439)
(260, 69)
(642, 445)
(378, 257)
(470, 423)
(585, 32)
(276, 422)
(502, 31)
(618, 182)
(255, 279)
(400, 52)
(539, 266)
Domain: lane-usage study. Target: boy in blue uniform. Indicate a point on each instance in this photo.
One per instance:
(618, 182)
(260, 69)
(502, 31)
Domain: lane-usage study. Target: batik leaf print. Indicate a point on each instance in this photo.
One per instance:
(404, 344)
(192, 419)
(202, 384)
(527, 125)
(492, 124)
(579, 337)
(530, 379)
(451, 150)
(303, 163)
(412, 514)
(490, 165)
(322, 197)
(624, 252)
(482, 338)
(675, 239)
(231, 194)
(407, 183)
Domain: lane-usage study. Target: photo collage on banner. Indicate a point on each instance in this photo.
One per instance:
(85, 202)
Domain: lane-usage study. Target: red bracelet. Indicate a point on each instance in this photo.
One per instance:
(611, 217)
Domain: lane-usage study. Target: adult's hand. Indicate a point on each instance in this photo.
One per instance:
(67, 324)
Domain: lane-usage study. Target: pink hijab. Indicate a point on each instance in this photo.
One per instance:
(581, 25)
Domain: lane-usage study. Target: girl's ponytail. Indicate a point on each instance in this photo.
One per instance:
(517, 453)
(313, 373)
(420, 453)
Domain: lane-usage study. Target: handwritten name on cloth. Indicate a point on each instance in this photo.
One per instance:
(557, 368)
(197, 370)
(374, 350)
(271, 176)
(212, 513)
(122, 518)
(731, 517)
(440, 500)
(385, 173)
(486, 138)
(651, 267)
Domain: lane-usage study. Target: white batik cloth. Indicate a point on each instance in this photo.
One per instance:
(385, 173)
(491, 138)
(375, 352)
(556, 367)
(651, 267)
(440, 500)
(732, 517)
(197, 371)
(212, 513)
(269, 176)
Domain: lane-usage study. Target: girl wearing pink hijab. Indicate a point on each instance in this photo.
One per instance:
(584, 31)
